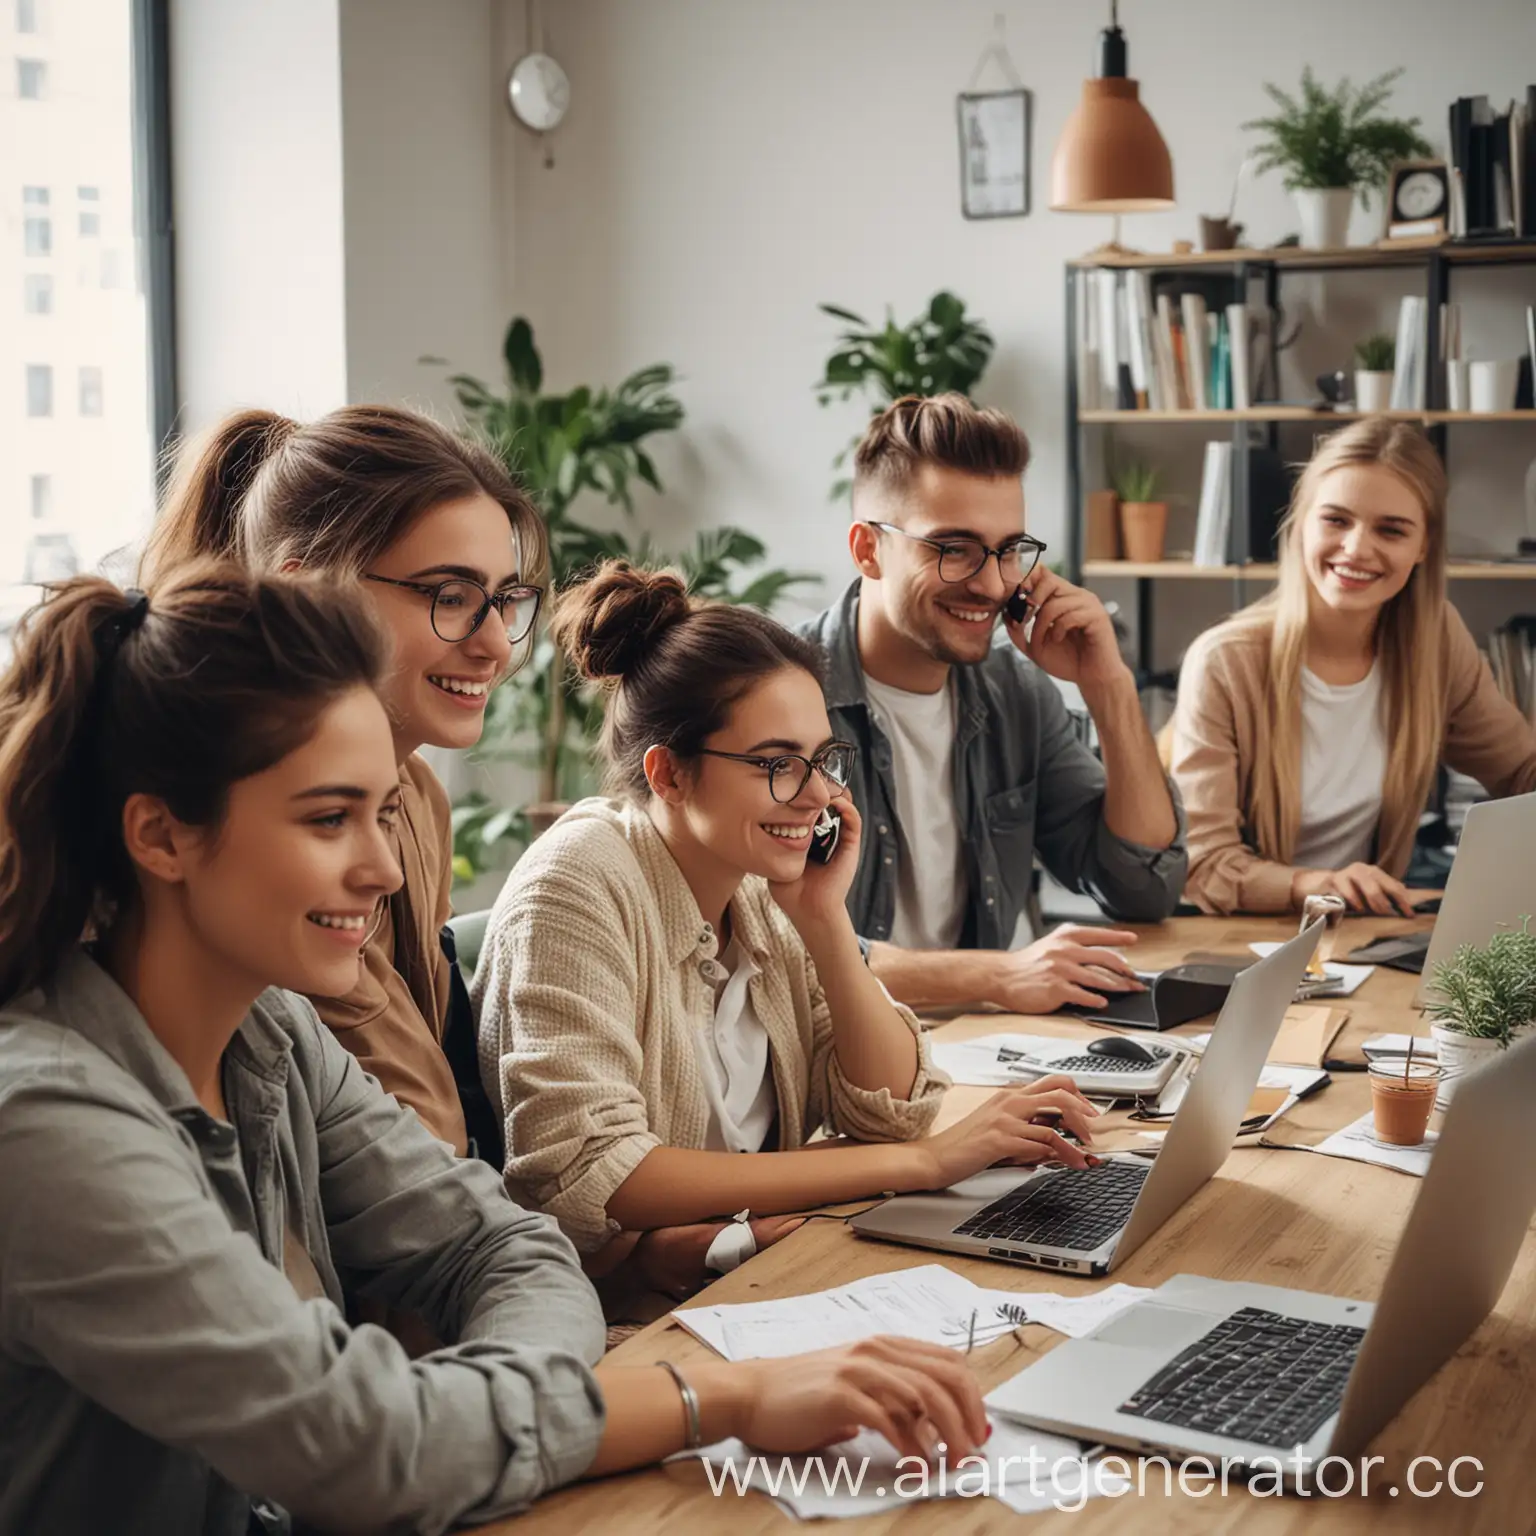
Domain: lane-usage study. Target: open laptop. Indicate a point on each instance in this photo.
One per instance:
(1086, 1221)
(1486, 888)
(1220, 1368)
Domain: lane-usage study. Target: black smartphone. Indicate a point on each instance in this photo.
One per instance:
(824, 836)
(1018, 606)
(1430, 904)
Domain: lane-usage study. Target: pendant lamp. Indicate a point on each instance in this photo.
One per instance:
(1110, 157)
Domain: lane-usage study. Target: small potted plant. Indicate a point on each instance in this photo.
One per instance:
(1375, 358)
(1143, 521)
(1330, 145)
(1482, 1000)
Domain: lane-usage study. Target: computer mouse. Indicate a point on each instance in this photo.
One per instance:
(1118, 1045)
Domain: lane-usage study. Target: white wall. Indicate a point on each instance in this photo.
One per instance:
(260, 295)
(727, 164)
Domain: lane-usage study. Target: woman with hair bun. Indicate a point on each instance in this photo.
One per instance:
(450, 554)
(197, 798)
(669, 980)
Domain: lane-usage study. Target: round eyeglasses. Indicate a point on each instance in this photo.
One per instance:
(789, 773)
(459, 606)
(960, 559)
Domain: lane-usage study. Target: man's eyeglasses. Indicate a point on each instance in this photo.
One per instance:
(960, 559)
(789, 773)
(459, 606)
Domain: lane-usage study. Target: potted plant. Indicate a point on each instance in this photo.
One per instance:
(1143, 520)
(560, 447)
(941, 350)
(1481, 1000)
(1330, 145)
(1375, 358)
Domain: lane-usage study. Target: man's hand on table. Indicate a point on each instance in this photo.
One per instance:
(1071, 964)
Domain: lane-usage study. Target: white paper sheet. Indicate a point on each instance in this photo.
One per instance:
(1075, 1316)
(1358, 1141)
(1350, 977)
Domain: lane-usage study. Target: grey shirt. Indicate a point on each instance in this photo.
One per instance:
(1023, 784)
(157, 1367)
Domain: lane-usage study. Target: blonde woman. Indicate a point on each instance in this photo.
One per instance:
(1309, 726)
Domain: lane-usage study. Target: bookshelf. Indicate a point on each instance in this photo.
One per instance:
(1236, 273)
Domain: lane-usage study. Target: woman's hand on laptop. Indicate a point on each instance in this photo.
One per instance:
(1365, 887)
(1003, 1130)
(1071, 964)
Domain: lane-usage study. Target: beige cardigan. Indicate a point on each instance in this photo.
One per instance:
(1221, 729)
(588, 993)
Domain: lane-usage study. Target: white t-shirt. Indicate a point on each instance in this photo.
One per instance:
(930, 888)
(1343, 764)
(734, 1063)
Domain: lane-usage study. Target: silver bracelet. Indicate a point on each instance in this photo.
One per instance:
(690, 1405)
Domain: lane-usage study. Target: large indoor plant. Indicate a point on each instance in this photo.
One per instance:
(1331, 144)
(942, 350)
(1481, 1000)
(585, 442)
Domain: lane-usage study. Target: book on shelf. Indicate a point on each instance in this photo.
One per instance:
(1512, 660)
(1137, 299)
(1240, 373)
(1409, 373)
(1213, 521)
(1493, 179)
(1197, 350)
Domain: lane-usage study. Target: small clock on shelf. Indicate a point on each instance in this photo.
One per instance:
(538, 92)
(1418, 200)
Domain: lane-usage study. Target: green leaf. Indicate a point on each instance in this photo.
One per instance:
(524, 367)
(842, 314)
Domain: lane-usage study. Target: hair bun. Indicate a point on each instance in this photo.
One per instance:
(610, 623)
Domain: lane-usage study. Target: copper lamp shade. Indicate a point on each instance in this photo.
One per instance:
(1110, 157)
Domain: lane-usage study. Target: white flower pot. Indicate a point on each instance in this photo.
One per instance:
(1461, 1054)
(1324, 213)
(1373, 391)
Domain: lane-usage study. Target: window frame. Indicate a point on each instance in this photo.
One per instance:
(152, 151)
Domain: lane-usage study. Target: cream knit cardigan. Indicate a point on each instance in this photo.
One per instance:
(589, 991)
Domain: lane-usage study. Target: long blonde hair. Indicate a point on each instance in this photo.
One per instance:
(1409, 644)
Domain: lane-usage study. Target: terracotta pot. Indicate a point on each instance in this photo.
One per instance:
(1219, 234)
(1143, 525)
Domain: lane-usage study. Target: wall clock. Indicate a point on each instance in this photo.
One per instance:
(538, 92)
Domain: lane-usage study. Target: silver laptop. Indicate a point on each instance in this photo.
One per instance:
(1086, 1221)
(1485, 888)
(1299, 1370)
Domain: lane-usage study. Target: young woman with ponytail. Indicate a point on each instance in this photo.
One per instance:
(1309, 726)
(451, 554)
(668, 981)
(197, 803)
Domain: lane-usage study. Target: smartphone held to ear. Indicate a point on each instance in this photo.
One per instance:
(824, 836)
(1018, 607)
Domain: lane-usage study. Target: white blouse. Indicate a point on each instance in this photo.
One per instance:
(734, 1062)
(1343, 764)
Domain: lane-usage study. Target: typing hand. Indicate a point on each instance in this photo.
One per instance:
(1005, 1130)
(1072, 964)
(1365, 888)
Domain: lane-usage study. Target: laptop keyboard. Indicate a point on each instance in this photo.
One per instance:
(1159, 1055)
(1259, 1376)
(1078, 1208)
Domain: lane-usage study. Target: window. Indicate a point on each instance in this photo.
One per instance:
(37, 289)
(90, 224)
(111, 268)
(35, 197)
(38, 235)
(42, 495)
(31, 79)
(39, 389)
(90, 194)
(26, 15)
(90, 391)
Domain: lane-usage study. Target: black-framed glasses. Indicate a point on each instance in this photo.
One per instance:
(960, 559)
(789, 773)
(459, 606)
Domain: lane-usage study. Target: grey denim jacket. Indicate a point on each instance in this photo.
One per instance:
(157, 1369)
(1023, 784)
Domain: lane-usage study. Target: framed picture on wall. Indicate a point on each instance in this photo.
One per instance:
(994, 153)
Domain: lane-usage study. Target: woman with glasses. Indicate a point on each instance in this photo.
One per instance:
(671, 979)
(451, 553)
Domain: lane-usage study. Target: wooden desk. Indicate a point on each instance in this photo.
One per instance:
(1283, 1218)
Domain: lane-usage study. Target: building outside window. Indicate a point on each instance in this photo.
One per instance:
(42, 496)
(26, 15)
(37, 291)
(39, 389)
(90, 223)
(37, 236)
(31, 79)
(90, 391)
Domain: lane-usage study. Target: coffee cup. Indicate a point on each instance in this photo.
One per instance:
(1402, 1095)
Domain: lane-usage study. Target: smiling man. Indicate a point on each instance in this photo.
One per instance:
(968, 762)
